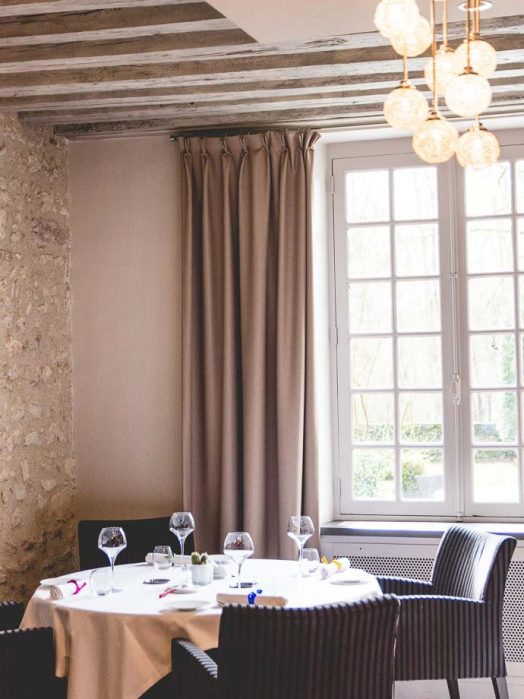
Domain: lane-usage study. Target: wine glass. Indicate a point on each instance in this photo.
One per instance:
(239, 546)
(111, 541)
(300, 529)
(182, 524)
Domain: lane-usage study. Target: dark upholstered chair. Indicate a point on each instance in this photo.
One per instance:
(332, 652)
(142, 536)
(27, 659)
(451, 627)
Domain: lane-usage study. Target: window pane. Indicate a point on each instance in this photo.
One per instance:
(367, 196)
(418, 306)
(520, 242)
(519, 173)
(370, 307)
(416, 250)
(419, 362)
(373, 418)
(521, 300)
(415, 193)
(491, 303)
(490, 247)
(492, 360)
(420, 417)
(494, 417)
(422, 474)
(368, 252)
(488, 191)
(372, 363)
(495, 475)
(374, 474)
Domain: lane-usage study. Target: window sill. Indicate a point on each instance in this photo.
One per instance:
(425, 530)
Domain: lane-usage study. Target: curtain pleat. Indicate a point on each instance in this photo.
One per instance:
(249, 438)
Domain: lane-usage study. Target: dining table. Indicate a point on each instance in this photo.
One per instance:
(117, 646)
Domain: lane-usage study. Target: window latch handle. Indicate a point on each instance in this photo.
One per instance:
(455, 389)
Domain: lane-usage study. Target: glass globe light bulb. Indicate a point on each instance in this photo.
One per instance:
(477, 148)
(468, 94)
(405, 107)
(445, 62)
(436, 140)
(483, 58)
(392, 16)
(413, 43)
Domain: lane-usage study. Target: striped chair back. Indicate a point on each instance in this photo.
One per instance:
(336, 651)
(472, 564)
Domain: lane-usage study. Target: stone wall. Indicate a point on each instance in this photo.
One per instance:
(37, 475)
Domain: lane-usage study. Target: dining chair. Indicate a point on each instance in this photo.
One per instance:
(343, 650)
(451, 627)
(142, 536)
(27, 659)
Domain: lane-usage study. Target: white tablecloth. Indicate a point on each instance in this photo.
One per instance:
(116, 647)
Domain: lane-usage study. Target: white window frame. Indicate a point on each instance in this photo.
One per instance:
(457, 448)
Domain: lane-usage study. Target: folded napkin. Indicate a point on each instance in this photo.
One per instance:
(337, 565)
(67, 589)
(259, 600)
(177, 560)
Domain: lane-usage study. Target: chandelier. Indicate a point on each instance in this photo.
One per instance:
(460, 76)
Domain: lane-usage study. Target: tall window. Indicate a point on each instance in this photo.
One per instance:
(429, 278)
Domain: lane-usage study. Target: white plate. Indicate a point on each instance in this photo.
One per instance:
(184, 605)
(350, 577)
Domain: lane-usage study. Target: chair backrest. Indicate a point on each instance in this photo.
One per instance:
(142, 536)
(472, 564)
(343, 651)
(27, 665)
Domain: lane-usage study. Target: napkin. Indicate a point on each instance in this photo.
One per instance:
(177, 560)
(260, 600)
(67, 589)
(337, 565)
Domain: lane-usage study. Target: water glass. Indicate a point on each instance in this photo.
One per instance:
(101, 581)
(310, 562)
(162, 557)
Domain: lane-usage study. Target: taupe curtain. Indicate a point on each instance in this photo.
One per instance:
(249, 434)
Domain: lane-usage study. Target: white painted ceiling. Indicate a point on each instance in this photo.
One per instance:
(270, 21)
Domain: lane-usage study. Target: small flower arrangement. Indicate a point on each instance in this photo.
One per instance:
(199, 559)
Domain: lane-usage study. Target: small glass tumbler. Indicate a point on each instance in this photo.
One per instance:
(310, 562)
(101, 581)
(162, 557)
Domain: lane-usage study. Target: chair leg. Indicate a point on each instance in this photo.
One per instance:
(501, 687)
(453, 687)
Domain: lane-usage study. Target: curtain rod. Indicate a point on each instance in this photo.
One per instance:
(240, 131)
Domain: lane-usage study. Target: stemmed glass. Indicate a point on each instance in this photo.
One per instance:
(111, 541)
(300, 529)
(182, 524)
(239, 546)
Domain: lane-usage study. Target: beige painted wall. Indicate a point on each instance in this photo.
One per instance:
(125, 278)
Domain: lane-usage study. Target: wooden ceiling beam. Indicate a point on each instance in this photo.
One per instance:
(36, 7)
(296, 66)
(268, 90)
(70, 26)
(234, 101)
(210, 110)
(160, 47)
(339, 116)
